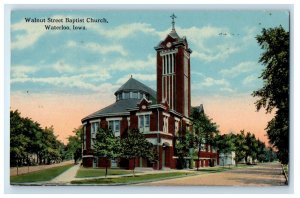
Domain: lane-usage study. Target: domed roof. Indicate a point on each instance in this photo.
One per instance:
(134, 85)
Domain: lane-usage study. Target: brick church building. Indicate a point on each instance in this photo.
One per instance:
(159, 115)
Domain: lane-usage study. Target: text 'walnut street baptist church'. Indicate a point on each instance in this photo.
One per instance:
(158, 115)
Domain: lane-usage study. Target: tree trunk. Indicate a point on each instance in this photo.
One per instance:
(17, 166)
(27, 163)
(106, 171)
(133, 166)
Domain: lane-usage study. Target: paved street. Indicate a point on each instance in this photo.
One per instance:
(260, 175)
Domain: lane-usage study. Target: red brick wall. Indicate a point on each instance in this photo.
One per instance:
(180, 81)
(158, 77)
(153, 121)
(88, 136)
(103, 123)
(189, 87)
(171, 125)
(133, 121)
(123, 125)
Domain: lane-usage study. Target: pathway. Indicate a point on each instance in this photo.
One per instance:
(66, 176)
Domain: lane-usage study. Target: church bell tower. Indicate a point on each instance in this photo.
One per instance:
(173, 72)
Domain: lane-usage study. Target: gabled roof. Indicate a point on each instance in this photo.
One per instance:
(134, 85)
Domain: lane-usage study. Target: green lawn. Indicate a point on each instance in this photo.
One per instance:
(214, 170)
(38, 176)
(96, 172)
(131, 179)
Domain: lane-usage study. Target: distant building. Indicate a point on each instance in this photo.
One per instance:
(158, 115)
(227, 159)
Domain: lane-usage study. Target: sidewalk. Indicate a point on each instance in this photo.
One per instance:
(65, 177)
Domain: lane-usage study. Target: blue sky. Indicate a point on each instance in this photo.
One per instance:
(59, 77)
(105, 55)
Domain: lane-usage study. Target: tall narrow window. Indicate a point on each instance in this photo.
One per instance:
(147, 120)
(165, 124)
(114, 126)
(84, 137)
(94, 129)
(176, 127)
(144, 123)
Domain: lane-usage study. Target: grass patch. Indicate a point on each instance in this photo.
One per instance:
(131, 179)
(97, 172)
(213, 170)
(38, 176)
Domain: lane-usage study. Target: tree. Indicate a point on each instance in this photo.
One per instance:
(29, 142)
(183, 144)
(251, 148)
(135, 146)
(240, 146)
(74, 145)
(274, 95)
(107, 145)
(204, 130)
(225, 144)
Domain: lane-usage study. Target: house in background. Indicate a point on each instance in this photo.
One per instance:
(227, 159)
(158, 115)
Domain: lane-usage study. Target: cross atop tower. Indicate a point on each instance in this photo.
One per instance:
(173, 21)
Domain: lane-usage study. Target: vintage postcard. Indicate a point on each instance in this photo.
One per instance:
(149, 97)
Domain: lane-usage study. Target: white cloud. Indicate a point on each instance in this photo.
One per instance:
(62, 67)
(243, 67)
(208, 82)
(227, 89)
(199, 37)
(250, 34)
(85, 77)
(220, 53)
(27, 33)
(250, 79)
(33, 31)
(122, 31)
(76, 81)
(97, 48)
(124, 64)
(22, 71)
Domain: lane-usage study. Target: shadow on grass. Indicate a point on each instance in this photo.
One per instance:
(39, 176)
(96, 172)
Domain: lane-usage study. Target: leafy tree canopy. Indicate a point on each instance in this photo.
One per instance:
(275, 91)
